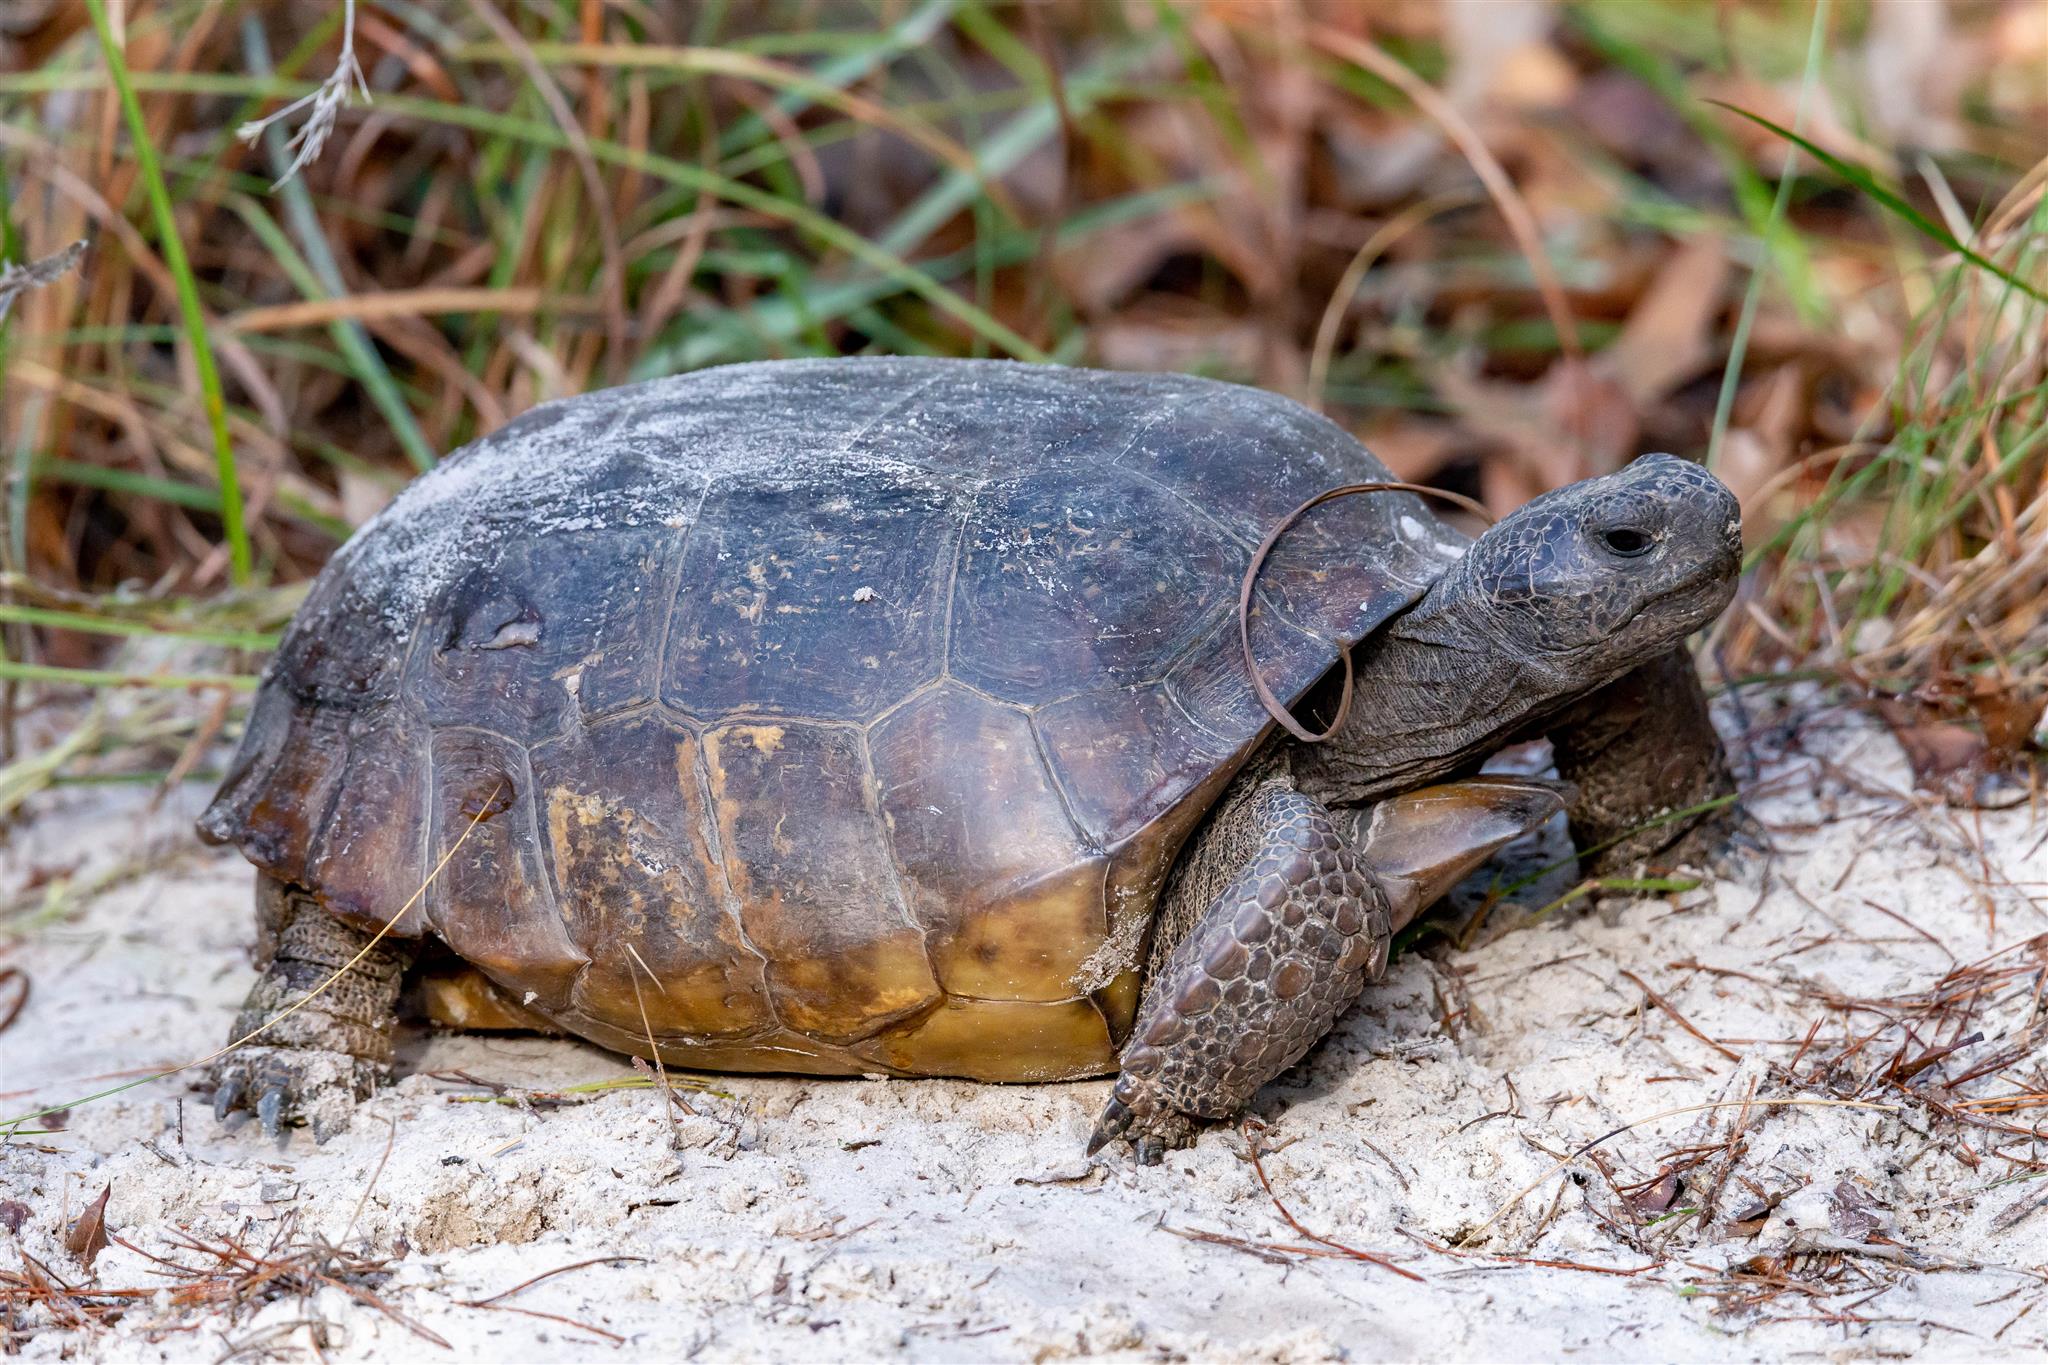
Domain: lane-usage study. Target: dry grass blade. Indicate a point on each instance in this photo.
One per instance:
(495, 1301)
(414, 303)
(8, 1125)
(1287, 1215)
(1584, 1148)
(600, 203)
(229, 1274)
(322, 107)
(668, 1094)
(1485, 165)
(1665, 1005)
(1397, 227)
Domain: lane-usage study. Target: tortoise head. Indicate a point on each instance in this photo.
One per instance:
(1608, 573)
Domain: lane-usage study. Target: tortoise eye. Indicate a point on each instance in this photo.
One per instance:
(1625, 542)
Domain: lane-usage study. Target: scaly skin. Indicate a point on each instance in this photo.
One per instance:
(1263, 974)
(1638, 750)
(1275, 920)
(313, 1065)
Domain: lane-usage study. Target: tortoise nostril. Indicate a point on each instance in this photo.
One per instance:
(1625, 541)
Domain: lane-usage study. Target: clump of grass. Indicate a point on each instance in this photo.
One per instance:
(1915, 558)
(1165, 187)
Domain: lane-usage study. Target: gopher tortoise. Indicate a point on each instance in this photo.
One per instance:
(892, 717)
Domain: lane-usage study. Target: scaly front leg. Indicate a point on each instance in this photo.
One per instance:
(1640, 750)
(1274, 956)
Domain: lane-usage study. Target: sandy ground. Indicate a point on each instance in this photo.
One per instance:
(937, 1220)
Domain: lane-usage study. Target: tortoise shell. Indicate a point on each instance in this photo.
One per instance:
(840, 715)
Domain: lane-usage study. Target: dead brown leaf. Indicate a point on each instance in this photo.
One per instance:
(1669, 334)
(88, 1236)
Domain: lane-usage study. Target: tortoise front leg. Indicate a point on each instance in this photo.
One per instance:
(1639, 749)
(313, 1065)
(1300, 923)
(1263, 973)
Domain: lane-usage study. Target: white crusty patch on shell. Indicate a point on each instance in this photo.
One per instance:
(547, 478)
(547, 472)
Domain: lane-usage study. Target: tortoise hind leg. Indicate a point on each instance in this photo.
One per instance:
(316, 1063)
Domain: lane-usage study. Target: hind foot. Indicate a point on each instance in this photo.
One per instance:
(318, 1087)
(318, 1021)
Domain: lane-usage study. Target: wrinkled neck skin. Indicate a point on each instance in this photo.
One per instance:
(1437, 690)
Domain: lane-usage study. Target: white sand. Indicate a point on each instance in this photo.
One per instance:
(938, 1220)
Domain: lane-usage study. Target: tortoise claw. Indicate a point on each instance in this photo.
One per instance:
(1115, 1120)
(270, 1109)
(289, 1086)
(1151, 1128)
(227, 1095)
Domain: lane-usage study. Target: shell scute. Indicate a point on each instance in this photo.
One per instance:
(1051, 1041)
(1010, 917)
(491, 901)
(1126, 755)
(545, 628)
(640, 891)
(368, 857)
(1075, 579)
(812, 596)
(1248, 458)
(818, 897)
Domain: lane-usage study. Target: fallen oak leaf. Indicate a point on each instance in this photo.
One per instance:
(88, 1236)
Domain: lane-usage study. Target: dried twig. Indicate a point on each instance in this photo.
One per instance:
(16, 280)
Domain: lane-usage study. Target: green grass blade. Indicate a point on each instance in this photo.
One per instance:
(1753, 198)
(1738, 348)
(114, 625)
(320, 276)
(100, 677)
(88, 475)
(915, 29)
(1003, 150)
(188, 294)
(682, 174)
(1889, 200)
(351, 338)
(776, 320)
(21, 478)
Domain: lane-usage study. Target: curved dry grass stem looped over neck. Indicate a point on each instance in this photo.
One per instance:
(1276, 708)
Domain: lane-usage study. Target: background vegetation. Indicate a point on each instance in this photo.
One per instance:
(1508, 243)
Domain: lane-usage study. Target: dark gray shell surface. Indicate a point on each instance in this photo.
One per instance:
(866, 702)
